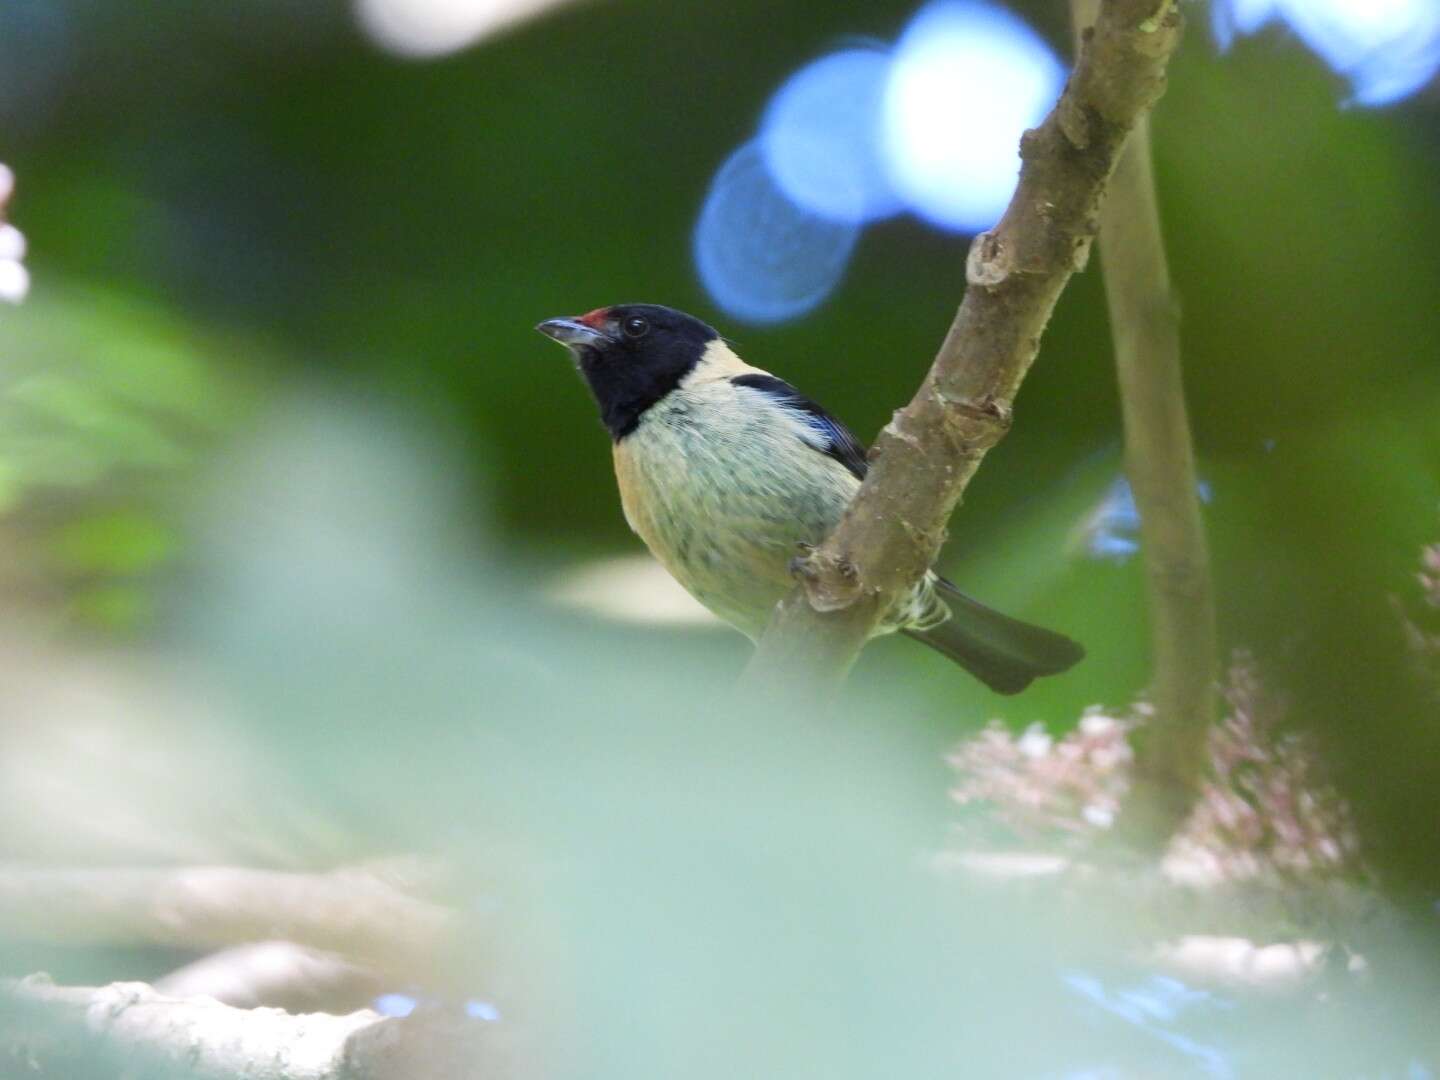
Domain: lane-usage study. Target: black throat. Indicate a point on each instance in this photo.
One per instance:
(628, 376)
(624, 397)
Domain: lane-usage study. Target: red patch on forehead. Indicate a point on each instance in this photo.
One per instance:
(595, 318)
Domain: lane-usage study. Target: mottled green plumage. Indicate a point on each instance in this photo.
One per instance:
(725, 504)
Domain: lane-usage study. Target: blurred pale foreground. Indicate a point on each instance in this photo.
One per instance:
(369, 766)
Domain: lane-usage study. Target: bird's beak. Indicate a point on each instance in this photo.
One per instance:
(572, 332)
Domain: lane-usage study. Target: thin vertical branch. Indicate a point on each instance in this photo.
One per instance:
(1160, 464)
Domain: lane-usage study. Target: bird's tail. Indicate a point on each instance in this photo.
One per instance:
(1003, 653)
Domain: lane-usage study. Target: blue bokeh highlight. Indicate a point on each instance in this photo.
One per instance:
(1386, 49)
(762, 258)
(931, 126)
(1111, 531)
(1160, 1007)
(967, 80)
(821, 138)
(398, 1005)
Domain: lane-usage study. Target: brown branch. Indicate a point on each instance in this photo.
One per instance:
(924, 458)
(1160, 464)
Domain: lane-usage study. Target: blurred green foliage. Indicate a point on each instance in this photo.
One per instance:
(108, 405)
(221, 200)
(274, 416)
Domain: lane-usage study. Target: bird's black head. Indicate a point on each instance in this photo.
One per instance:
(632, 355)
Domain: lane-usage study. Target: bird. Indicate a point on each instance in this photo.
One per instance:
(725, 471)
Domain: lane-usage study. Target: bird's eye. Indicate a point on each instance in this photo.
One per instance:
(636, 326)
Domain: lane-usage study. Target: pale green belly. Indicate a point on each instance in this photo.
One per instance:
(739, 567)
(725, 505)
(726, 516)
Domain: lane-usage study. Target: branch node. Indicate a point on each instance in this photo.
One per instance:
(1165, 18)
(1031, 144)
(973, 425)
(988, 263)
(989, 410)
(898, 430)
(832, 582)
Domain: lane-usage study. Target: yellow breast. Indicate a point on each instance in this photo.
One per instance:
(632, 500)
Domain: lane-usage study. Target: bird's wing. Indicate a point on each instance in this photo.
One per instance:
(823, 431)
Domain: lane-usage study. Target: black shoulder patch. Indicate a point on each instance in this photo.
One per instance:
(831, 436)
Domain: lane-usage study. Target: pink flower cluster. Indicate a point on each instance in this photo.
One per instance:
(1423, 639)
(1426, 642)
(1038, 788)
(1430, 574)
(1264, 813)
